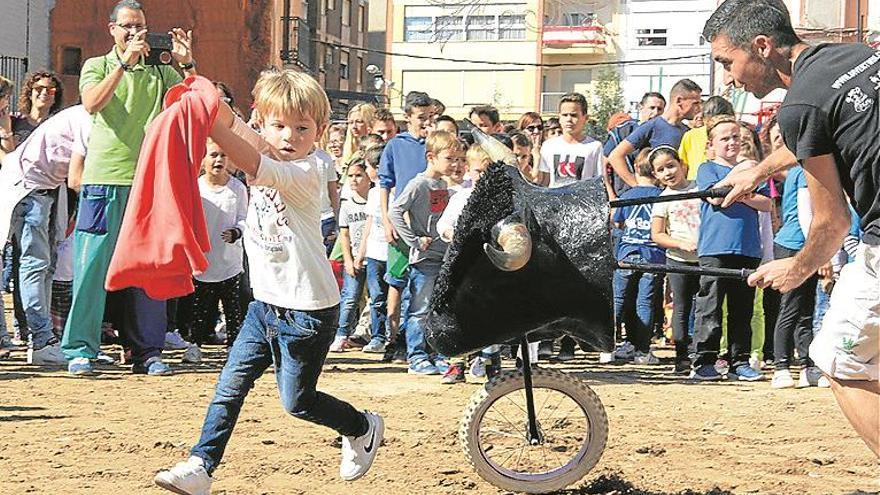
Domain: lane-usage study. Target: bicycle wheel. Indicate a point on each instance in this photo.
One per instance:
(572, 426)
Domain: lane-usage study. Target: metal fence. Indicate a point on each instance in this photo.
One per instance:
(14, 69)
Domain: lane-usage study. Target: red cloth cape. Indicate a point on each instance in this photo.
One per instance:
(163, 237)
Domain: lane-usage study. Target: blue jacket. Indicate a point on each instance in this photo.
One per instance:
(403, 158)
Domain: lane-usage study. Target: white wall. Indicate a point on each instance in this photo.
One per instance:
(683, 20)
(13, 29)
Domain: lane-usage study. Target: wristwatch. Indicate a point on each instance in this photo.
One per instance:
(191, 65)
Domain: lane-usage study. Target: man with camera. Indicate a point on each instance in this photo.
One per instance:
(124, 91)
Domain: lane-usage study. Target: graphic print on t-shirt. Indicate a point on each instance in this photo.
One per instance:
(272, 230)
(570, 167)
(439, 198)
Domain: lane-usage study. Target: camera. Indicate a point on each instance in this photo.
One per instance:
(160, 49)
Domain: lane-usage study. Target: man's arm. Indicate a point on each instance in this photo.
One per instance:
(618, 161)
(746, 177)
(96, 96)
(75, 170)
(830, 216)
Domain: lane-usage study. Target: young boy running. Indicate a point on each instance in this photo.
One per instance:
(292, 321)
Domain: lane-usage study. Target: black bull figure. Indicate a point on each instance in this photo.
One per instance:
(497, 283)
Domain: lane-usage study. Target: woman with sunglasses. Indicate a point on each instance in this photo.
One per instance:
(40, 97)
(532, 125)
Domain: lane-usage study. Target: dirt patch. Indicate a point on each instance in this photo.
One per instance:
(111, 433)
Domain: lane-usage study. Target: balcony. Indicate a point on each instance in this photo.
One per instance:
(297, 47)
(574, 40)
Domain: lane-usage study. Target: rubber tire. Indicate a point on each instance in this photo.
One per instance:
(510, 381)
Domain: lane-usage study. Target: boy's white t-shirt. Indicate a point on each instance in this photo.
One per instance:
(353, 216)
(328, 172)
(568, 163)
(64, 262)
(285, 249)
(453, 210)
(377, 246)
(225, 208)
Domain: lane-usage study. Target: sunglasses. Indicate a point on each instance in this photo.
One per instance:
(48, 89)
(534, 128)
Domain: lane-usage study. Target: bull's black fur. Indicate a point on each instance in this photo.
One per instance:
(564, 288)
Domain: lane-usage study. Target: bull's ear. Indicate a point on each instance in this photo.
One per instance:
(515, 242)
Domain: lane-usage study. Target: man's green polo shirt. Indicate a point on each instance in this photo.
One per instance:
(119, 129)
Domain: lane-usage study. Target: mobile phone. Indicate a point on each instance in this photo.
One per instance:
(160, 49)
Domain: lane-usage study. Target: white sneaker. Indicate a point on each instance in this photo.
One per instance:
(606, 357)
(47, 356)
(809, 377)
(625, 351)
(358, 453)
(823, 382)
(340, 344)
(174, 342)
(186, 478)
(478, 367)
(192, 355)
(782, 379)
(645, 358)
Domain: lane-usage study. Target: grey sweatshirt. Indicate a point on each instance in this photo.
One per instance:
(424, 199)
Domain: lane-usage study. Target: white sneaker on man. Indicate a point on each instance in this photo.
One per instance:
(49, 355)
(782, 379)
(174, 342)
(186, 478)
(358, 453)
(625, 351)
(809, 377)
(192, 355)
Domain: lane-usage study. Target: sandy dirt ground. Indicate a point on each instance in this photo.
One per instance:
(110, 434)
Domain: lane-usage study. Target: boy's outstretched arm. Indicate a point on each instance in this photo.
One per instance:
(241, 144)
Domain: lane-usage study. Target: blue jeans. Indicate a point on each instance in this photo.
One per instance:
(422, 276)
(32, 224)
(295, 343)
(349, 302)
(634, 294)
(823, 300)
(378, 290)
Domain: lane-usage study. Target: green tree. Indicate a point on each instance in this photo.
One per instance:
(607, 99)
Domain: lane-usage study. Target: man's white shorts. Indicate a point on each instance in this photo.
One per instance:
(848, 345)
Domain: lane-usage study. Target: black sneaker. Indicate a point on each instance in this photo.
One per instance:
(388, 355)
(682, 367)
(399, 356)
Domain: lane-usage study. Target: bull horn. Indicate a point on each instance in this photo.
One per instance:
(497, 152)
(516, 246)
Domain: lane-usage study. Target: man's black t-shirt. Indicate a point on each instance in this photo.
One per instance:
(833, 107)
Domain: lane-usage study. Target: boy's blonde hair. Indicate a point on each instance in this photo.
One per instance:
(476, 154)
(441, 140)
(288, 92)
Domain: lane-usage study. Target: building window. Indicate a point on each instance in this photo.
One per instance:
(511, 27)
(482, 27)
(418, 29)
(449, 28)
(651, 37)
(360, 71)
(460, 28)
(346, 12)
(328, 57)
(71, 60)
(578, 19)
(362, 18)
(343, 65)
